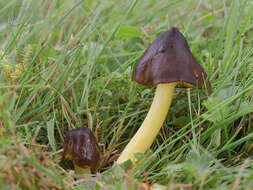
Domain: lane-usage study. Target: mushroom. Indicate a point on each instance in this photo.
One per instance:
(166, 63)
(82, 149)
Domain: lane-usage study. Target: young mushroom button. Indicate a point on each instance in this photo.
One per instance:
(166, 63)
(82, 149)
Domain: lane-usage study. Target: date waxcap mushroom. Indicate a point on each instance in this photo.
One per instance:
(169, 59)
(167, 62)
(81, 148)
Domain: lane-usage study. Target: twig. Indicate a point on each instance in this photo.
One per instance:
(236, 183)
(181, 186)
(207, 15)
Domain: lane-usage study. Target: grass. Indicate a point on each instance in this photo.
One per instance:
(66, 64)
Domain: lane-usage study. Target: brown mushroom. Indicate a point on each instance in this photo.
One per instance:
(82, 149)
(166, 63)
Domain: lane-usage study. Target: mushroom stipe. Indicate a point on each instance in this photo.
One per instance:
(166, 63)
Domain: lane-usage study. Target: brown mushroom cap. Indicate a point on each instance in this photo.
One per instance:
(169, 59)
(81, 148)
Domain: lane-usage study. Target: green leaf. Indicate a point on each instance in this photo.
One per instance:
(7, 101)
(200, 162)
(138, 156)
(245, 106)
(127, 32)
(191, 171)
(145, 92)
(173, 168)
(118, 172)
(219, 114)
(126, 165)
(50, 134)
(216, 138)
(157, 186)
(180, 121)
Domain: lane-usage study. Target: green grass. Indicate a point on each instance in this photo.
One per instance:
(66, 64)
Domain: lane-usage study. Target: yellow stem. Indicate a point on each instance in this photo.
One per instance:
(79, 170)
(152, 124)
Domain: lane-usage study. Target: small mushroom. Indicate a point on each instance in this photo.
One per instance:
(82, 149)
(166, 63)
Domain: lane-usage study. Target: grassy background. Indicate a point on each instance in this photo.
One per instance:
(66, 64)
